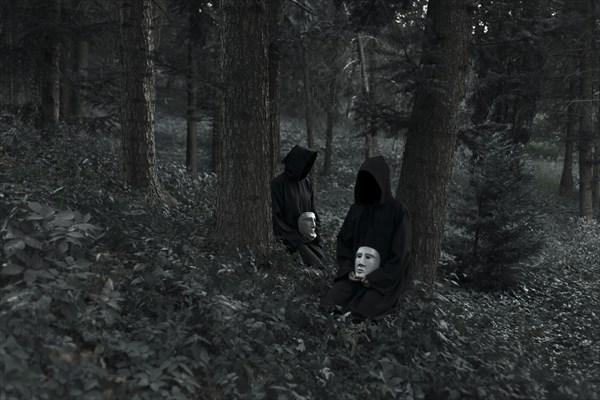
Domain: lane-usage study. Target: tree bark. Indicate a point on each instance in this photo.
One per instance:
(371, 148)
(192, 118)
(586, 128)
(80, 72)
(429, 149)
(332, 101)
(50, 68)
(310, 139)
(243, 214)
(216, 136)
(596, 139)
(275, 15)
(138, 157)
(65, 77)
(329, 138)
(566, 178)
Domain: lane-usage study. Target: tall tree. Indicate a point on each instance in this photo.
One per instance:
(275, 13)
(138, 157)
(427, 164)
(509, 56)
(595, 12)
(307, 91)
(50, 65)
(370, 136)
(243, 214)
(192, 91)
(586, 127)
(566, 178)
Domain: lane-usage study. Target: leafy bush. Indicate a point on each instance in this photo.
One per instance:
(493, 224)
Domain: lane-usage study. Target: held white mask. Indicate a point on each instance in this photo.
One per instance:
(367, 260)
(307, 224)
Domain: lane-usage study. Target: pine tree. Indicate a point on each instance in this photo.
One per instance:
(492, 218)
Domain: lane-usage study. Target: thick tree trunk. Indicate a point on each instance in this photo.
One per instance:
(586, 128)
(429, 149)
(243, 215)
(192, 118)
(310, 139)
(50, 68)
(80, 72)
(566, 178)
(371, 148)
(275, 13)
(138, 158)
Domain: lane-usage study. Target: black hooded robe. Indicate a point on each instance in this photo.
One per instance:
(379, 221)
(291, 195)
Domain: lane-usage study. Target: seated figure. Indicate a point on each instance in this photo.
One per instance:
(370, 288)
(295, 219)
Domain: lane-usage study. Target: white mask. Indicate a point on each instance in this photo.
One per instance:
(307, 224)
(367, 260)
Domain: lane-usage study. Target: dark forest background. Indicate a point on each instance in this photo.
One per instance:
(138, 139)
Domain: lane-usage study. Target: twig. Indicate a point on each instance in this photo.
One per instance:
(305, 8)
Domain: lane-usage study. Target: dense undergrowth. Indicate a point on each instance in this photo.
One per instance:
(106, 297)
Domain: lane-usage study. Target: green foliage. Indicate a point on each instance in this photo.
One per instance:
(493, 222)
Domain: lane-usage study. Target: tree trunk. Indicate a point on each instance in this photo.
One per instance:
(243, 214)
(566, 178)
(192, 119)
(429, 149)
(332, 101)
(310, 139)
(596, 173)
(7, 86)
(80, 70)
(138, 158)
(217, 92)
(586, 128)
(328, 140)
(371, 148)
(50, 69)
(216, 136)
(275, 13)
(596, 140)
(65, 77)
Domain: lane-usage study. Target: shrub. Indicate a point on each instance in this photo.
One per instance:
(493, 224)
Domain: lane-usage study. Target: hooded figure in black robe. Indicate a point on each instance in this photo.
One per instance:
(291, 195)
(379, 221)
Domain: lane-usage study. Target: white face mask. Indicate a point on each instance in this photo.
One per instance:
(367, 260)
(307, 224)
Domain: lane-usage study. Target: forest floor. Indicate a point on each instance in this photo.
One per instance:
(106, 297)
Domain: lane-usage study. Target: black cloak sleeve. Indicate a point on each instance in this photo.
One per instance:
(394, 270)
(345, 247)
(280, 226)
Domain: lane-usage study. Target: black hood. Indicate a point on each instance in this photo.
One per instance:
(373, 182)
(299, 162)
